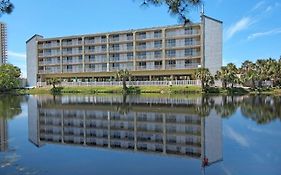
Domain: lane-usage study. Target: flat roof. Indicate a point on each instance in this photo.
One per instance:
(119, 31)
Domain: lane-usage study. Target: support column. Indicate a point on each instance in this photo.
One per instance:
(83, 53)
(61, 61)
(134, 51)
(107, 53)
(163, 48)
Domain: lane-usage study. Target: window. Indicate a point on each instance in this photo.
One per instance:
(188, 31)
(129, 36)
(158, 54)
(171, 62)
(115, 37)
(141, 55)
(187, 62)
(157, 34)
(115, 46)
(142, 45)
(103, 38)
(157, 44)
(158, 63)
(103, 47)
(142, 35)
(130, 55)
(171, 53)
(188, 41)
(142, 63)
(188, 52)
(129, 46)
(171, 43)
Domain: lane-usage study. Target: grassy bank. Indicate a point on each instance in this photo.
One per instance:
(118, 89)
(150, 90)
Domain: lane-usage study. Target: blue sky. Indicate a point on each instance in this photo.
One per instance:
(252, 29)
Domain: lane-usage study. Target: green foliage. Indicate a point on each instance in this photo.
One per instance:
(228, 75)
(179, 8)
(54, 82)
(204, 75)
(123, 75)
(9, 77)
(6, 7)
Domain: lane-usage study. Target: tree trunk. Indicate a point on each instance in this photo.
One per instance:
(124, 84)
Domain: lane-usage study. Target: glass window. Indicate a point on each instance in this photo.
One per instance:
(171, 42)
(171, 53)
(158, 44)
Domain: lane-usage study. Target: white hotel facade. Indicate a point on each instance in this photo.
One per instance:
(155, 53)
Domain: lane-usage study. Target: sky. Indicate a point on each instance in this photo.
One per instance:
(251, 29)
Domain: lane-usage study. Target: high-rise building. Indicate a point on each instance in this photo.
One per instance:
(149, 54)
(3, 135)
(3, 43)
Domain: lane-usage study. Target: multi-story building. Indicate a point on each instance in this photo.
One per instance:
(3, 134)
(3, 43)
(149, 54)
(140, 124)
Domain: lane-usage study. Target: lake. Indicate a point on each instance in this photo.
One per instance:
(140, 134)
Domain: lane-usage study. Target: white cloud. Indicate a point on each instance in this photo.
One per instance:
(258, 5)
(267, 33)
(240, 139)
(240, 25)
(16, 54)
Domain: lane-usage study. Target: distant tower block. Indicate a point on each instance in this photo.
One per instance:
(3, 43)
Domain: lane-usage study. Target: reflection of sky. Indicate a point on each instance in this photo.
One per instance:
(248, 148)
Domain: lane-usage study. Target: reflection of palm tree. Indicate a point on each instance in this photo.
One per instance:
(124, 108)
(227, 107)
(262, 109)
(205, 107)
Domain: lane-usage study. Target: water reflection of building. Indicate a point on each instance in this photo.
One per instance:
(161, 125)
(3, 135)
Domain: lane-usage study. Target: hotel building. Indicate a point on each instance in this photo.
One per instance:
(149, 54)
(140, 124)
(3, 43)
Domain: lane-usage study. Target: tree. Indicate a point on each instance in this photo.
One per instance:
(179, 8)
(222, 75)
(6, 7)
(123, 75)
(205, 76)
(232, 72)
(249, 72)
(9, 77)
(54, 82)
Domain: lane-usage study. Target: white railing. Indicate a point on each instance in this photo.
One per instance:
(132, 83)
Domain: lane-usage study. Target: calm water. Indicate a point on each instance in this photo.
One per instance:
(140, 135)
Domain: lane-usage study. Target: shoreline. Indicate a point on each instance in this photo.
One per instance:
(146, 90)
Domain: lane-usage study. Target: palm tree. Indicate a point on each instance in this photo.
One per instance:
(123, 75)
(54, 82)
(232, 72)
(222, 75)
(205, 76)
(249, 72)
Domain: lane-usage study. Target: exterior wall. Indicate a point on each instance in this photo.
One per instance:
(212, 44)
(3, 43)
(31, 60)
